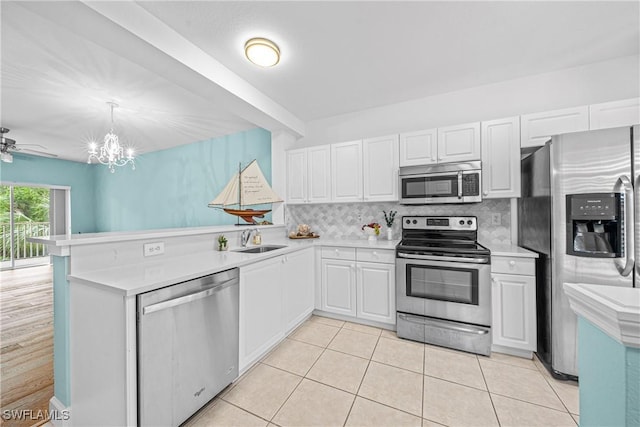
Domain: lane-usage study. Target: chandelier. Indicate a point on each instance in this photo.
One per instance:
(111, 152)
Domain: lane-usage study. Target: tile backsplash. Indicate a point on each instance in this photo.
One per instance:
(344, 220)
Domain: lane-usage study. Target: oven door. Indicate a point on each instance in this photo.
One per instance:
(445, 289)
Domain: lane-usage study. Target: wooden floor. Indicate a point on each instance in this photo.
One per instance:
(26, 342)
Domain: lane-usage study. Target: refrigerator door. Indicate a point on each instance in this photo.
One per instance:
(636, 181)
(584, 162)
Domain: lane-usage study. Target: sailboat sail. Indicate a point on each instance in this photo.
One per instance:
(247, 188)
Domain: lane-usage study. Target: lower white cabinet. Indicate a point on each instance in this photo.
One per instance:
(375, 292)
(275, 295)
(513, 296)
(359, 283)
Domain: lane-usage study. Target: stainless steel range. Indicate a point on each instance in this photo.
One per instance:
(443, 283)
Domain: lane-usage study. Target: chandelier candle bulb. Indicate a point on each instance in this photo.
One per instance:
(111, 152)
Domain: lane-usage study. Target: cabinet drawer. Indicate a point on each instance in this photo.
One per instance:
(513, 265)
(336, 252)
(376, 255)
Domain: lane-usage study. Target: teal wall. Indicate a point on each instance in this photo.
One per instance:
(171, 188)
(609, 379)
(79, 176)
(61, 371)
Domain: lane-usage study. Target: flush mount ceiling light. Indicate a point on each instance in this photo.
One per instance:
(111, 152)
(262, 52)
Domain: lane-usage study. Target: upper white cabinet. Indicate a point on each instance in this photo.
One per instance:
(346, 171)
(419, 148)
(614, 114)
(380, 167)
(319, 174)
(538, 128)
(501, 158)
(459, 143)
(297, 176)
(309, 175)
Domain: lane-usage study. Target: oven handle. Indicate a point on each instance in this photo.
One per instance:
(459, 184)
(442, 325)
(445, 258)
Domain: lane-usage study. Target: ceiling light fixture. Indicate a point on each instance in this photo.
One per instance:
(262, 52)
(111, 152)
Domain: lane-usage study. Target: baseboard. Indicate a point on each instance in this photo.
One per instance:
(527, 354)
(389, 326)
(60, 414)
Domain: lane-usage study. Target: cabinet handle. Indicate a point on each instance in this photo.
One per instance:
(512, 263)
(485, 193)
(375, 254)
(352, 266)
(337, 252)
(284, 260)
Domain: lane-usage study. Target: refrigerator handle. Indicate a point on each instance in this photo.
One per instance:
(629, 226)
(637, 224)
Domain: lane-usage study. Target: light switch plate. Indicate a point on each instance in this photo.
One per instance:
(152, 249)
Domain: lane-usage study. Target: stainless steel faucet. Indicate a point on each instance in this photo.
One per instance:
(245, 236)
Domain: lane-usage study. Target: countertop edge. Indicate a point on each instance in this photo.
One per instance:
(509, 250)
(612, 313)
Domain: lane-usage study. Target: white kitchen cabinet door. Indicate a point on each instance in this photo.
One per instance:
(298, 287)
(538, 128)
(346, 171)
(459, 143)
(501, 158)
(297, 176)
(614, 114)
(380, 166)
(514, 311)
(376, 292)
(260, 309)
(339, 286)
(419, 148)
(319, 174)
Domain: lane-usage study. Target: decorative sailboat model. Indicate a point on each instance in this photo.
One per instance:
(248, 187)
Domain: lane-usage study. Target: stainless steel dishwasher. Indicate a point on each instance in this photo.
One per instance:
(187, 346)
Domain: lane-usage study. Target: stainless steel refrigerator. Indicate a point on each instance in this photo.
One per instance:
(579, 211)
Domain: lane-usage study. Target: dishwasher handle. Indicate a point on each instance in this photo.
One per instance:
(188, 298)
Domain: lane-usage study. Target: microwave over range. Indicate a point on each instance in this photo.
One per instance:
(442, 183)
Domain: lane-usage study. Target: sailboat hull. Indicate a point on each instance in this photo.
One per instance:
(248, 214)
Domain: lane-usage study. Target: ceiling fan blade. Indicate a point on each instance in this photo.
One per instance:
(31, 145)
(40, 153)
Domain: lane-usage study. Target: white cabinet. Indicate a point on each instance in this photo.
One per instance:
(275, 296)
(359, 283)
(260, 309)
(501, 158)
(513, 297)
(297, 176)
(614, 114)
(538, 128)
(298, 287)
(346, 171)
(339, 286)
(419, 148)
(380, 169)
(375, 292)
(459, 143)
(309, 175)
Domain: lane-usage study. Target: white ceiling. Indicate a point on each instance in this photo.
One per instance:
(62, 61)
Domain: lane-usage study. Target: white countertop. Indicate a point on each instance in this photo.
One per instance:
(506, 249)
(614, 309)
(124, 236)
(160, 272)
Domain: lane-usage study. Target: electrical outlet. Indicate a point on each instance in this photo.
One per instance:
(359, 218)
(496, 219)
(155, 248)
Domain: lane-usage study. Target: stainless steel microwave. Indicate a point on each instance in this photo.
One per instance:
(442, 183)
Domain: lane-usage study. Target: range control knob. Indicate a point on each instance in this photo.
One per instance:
(415, 221)
(469, 222)
(408, 221)
(462, 222)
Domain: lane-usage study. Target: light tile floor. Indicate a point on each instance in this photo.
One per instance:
(334, 373)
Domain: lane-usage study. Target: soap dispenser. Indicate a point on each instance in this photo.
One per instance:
(257, 238)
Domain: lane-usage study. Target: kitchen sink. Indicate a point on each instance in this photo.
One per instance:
(260, 249)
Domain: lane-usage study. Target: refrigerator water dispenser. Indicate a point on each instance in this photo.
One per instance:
(594, 225)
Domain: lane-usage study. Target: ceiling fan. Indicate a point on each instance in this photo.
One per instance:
(8, 145)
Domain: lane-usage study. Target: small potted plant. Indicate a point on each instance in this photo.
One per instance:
(389, 220)
(371, 230)
(222, 243)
